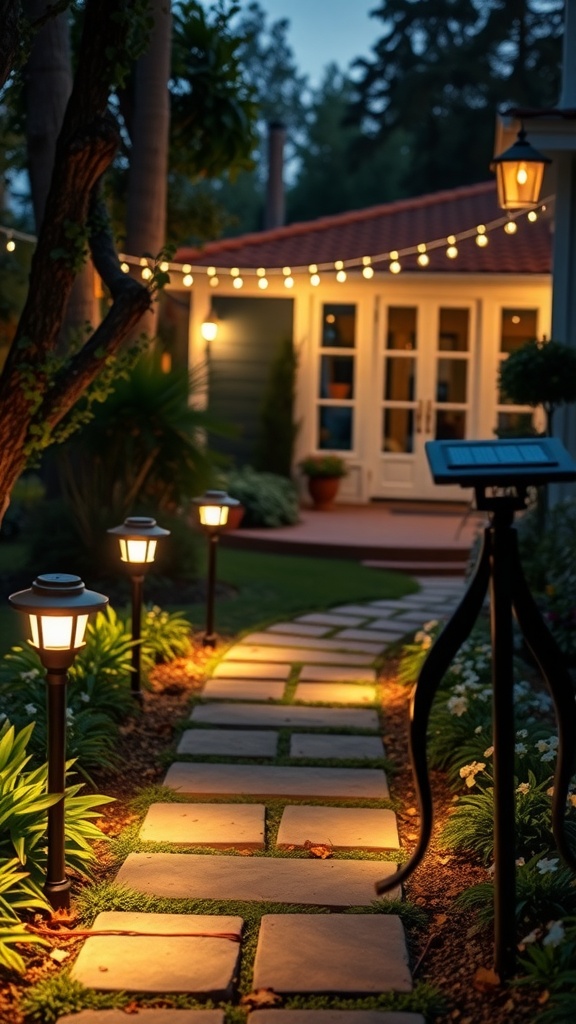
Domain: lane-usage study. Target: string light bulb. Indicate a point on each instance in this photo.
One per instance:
(214, 281)
(315, 280)
(237, 282)
(422, 258)
(10, 245)
(164, 266)
(452, 250)
(395, 266)
(146, 273)
(481, 237)
(187, 280)
(263, 283)
(288, 281)
(368, 272)
(124, 268)
(341, 276)
(532, 216)
(312, 269)
(186, 268)
(286, 271)
(510, 227)
(234, 272)
(211, 271)
(261, 272)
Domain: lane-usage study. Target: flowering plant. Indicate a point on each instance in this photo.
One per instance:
(323, 465)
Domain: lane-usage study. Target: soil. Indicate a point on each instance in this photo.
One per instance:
(450, 953)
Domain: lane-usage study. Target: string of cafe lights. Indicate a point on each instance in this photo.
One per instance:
(389, 261)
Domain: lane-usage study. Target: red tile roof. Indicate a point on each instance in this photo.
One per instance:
(404, 224)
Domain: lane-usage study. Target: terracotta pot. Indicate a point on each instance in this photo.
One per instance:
(323, 490)
(339, 390)
(235, 517)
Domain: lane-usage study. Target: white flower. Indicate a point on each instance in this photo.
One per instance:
(520, 862)
(549, 756)
(470, 771)
(521, 749)
(550, 792)
(430, 625)
(547, 865)
(555, 934)
(531, 937)
(457, 706)
(489, 751)
(542, 746)
(28, 676)
(419, 637)
(522, 733)
(85, 697)
(427, 642)
(69, 715)
(30, 709)
(478, 730)
(524, 787)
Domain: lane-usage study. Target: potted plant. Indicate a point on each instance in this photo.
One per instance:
(323, 473)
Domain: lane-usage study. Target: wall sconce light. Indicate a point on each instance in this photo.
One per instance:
(519, 173)
(57, 606)
(209, 326)
(138, 536)
(213, 509)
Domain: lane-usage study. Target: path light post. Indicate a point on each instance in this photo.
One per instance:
(58, 606)
(138, 537)
(213, 509)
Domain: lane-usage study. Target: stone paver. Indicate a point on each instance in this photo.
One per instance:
(383, 636)
(334, 1017)
(259, 653)
(277, 780)
(299, 628)
(314, 643)
(319, 745)
(344, 828)
(332, 953)
(403, 626)
(367, 611)
(284, 716)
(413, 618)
(332, 619)
(231, 669)
(243, 689)
(229, 742)
(223, 826)
(165, 961)
(335, 693)
(335, 673)
(157, 1015)
(322, 883)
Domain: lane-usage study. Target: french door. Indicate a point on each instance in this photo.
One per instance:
(425, 387)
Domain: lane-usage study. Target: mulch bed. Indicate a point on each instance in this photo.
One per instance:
(450, 953)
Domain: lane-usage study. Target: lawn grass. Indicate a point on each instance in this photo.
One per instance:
(260, 588)
(270, 587)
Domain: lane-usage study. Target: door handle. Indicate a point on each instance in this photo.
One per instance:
(428, 424)
(419, 417)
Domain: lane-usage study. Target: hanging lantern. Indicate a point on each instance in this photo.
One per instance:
(519, 173)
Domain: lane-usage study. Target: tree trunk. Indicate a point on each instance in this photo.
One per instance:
(147, 187)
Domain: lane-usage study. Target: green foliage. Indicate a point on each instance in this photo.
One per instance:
(540, 896)
(323, 465)
(165, 635)
(549, 962)
(540, 373)
(278, 431)
(268, 499)
(414, 654)
(59, 995)
(548, 558)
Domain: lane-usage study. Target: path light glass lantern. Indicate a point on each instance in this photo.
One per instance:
(519, 173)
(213, 509)
(209, 327)
(57, 606)
(138, 537)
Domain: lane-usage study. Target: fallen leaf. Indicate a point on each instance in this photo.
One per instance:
(485, 979)
(320, 850)
(440, 919)
(411, 836)
(412, 811)
(245, 853)
(261, 997)
(544, 997)
(131, 1008)
(103, 969)
(444, 860)
(59, 955)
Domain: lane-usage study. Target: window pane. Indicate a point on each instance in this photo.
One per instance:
(453, 330)
(338, 326)
(398, 430)
(335, 427)
(517, 327)
(399, 381)
(450, 425)
(401, 328)
(451, 381)
(337, 377)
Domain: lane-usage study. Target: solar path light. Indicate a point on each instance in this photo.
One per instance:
(213, 509)
(138, 537)
(57, 606)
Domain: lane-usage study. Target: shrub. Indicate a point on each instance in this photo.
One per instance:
(268, 499)
(165, 635)
(323, 465)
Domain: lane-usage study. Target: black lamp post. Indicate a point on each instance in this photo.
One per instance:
(213, 508)
(138, 536)
(58, 606)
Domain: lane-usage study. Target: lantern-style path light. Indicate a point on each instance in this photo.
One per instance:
(519, 173)
(58, 606)
(213, 509)
(138, 537)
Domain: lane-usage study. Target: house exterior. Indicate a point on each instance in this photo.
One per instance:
(400, 314)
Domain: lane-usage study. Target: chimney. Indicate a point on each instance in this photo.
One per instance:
(275, 212)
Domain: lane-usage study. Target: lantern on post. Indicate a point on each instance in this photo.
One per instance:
(138, 537)
(209, 326)
(519, 173)
(57, 606)
(213, 509)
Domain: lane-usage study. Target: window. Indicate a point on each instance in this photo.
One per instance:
(337, 377)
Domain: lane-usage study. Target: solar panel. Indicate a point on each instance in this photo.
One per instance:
(500, 462)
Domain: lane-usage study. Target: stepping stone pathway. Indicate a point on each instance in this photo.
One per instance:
(270, 833)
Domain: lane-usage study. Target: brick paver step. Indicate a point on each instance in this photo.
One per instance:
(243, 689)
(343, 828)
(156, 1015)
(334, 1017)
(322, 883)
(172, 959)
(335, 693)
(268, 653)
(225, 826)
(322, 745)
(277, 781)
(229, 742)
(332, 953)
(284, 716)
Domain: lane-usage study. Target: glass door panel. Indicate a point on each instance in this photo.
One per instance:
(335, 397)
(399, 381)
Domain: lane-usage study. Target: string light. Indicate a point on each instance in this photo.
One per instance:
(364, 263)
